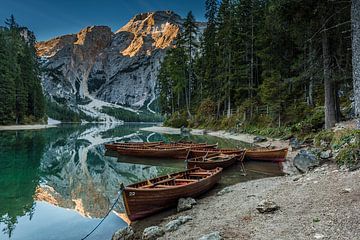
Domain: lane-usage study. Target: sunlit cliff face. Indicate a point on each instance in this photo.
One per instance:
(119, 68)
(151, 30)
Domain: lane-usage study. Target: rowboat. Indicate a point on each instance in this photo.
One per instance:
(190, 145)
(265, 154)
(113, 146)
(194, 153)
(221, 160)
(145, 198)
(174, 152)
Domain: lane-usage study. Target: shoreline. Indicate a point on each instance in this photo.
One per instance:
(26, 127)
(322, 203)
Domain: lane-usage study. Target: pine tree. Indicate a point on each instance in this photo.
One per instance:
(7, 84)
(355, 17)
(189, 35)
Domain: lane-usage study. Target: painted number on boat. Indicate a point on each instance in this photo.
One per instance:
(131, 194)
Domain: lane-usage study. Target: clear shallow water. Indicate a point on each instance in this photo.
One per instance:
(58, 183)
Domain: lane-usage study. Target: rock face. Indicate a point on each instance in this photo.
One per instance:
(119, 68)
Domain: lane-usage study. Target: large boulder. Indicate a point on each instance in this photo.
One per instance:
(211, 236)
(267, 206)
(305, 160)
(185, 204)
(152, 233)
(124, 234)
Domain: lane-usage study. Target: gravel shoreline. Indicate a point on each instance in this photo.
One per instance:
(323, 204)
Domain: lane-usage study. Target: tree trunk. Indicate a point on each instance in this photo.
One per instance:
(330, 113)
(311, 83)
(355, 19)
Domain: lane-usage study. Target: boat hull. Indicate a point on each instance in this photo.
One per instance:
(273, 155)
(140, 203)
(180, 153)
(195, 153)
(208, 165)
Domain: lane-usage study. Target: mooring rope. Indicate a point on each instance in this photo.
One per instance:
(117, 199)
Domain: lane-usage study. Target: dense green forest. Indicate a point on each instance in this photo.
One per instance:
(261, 64)
(21, 96)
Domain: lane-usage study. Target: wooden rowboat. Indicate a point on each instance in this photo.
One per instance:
(221, 160)
(145, 198)
(178, 152)
(190, 145)
(194, 153)
(113, 146)
(265, 154)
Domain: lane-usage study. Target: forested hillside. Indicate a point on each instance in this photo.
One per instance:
(263, 63)
(21, 96)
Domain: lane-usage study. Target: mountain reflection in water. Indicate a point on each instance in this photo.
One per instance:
(58, 183)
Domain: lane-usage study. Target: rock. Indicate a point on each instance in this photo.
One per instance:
(152, 233)
(296, 178)
(225, 191)
(294, 143)
(346, 190)
(175, 224)
(326, 154)
(354, 168)
(185, 204)
(172, 225)
(211, 236)
(184, 219)
(267, 206)
(258, 139)
(304, 161)
(124, 234)
(183, 129)
(318, 236)
(323, 143)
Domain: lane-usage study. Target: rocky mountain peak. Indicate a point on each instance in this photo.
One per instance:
(160, 28)
(95, 67)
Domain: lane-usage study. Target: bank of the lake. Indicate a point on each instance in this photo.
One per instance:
(323, 204)
(25, 127)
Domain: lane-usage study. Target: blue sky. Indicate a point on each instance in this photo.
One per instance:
(50, 18)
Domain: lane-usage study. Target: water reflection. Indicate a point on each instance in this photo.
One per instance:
(58, 183)
(65, 168)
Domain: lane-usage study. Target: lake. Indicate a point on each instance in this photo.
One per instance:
(58, 183)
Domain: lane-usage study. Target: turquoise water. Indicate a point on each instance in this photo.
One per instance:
(58, 183)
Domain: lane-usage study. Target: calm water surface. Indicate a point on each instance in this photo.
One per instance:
(58, 183)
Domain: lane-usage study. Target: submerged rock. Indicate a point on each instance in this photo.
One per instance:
(152, 233)
(185, 204)
(267, 206)
(305, 161)
(124, 234)
(211, 236)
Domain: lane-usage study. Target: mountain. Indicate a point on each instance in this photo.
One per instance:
(97, 67)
